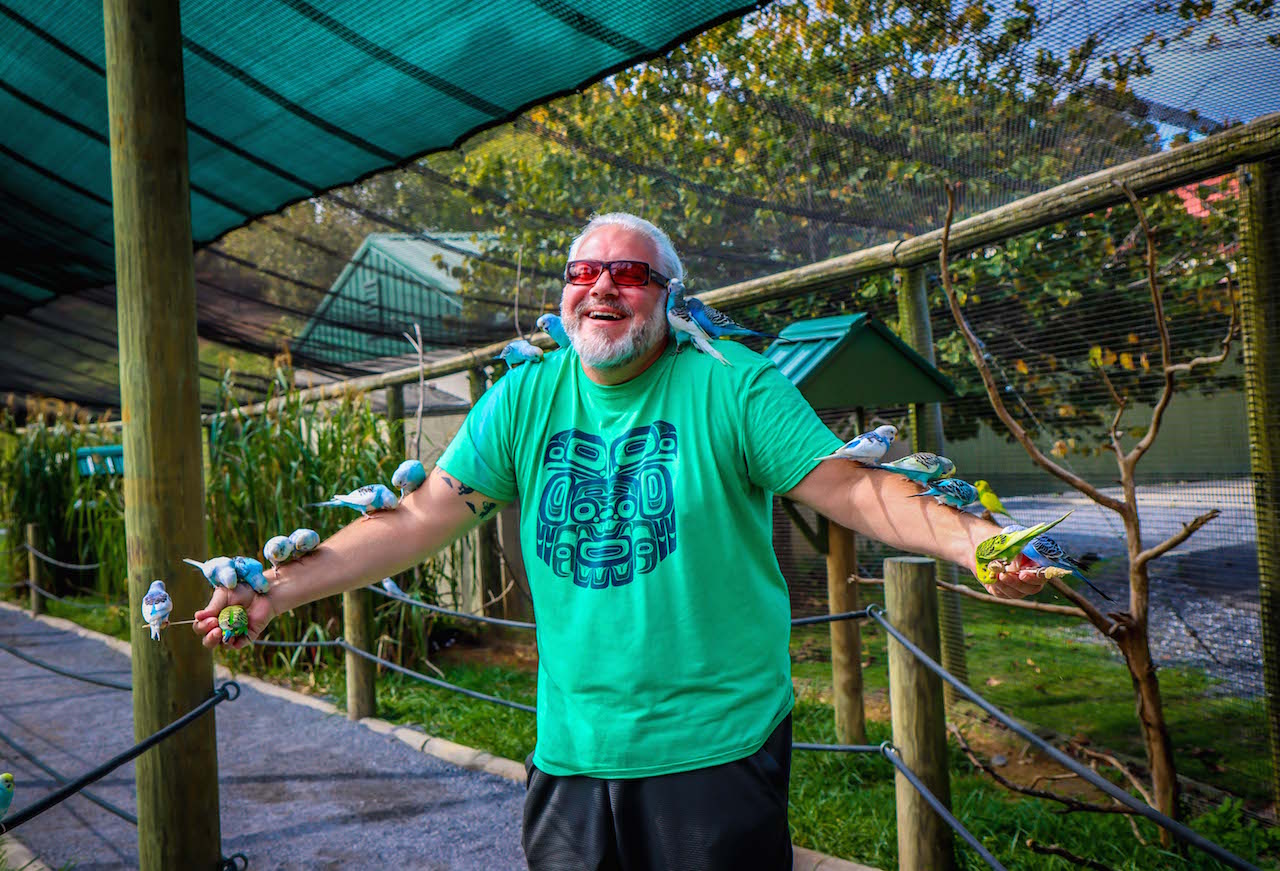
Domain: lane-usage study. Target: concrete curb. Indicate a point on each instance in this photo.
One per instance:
(455, 754)
(14, 854)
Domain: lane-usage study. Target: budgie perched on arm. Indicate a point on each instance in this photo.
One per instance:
(277, 550)
(951, 491)
(304, 541)
(409, 476)
(866, 448)
(520, 351)
(249, 570)
(219, 570)
(921, 467)
(366, 499)
(989, 499)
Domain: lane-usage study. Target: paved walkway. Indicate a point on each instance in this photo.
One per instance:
(301, 786)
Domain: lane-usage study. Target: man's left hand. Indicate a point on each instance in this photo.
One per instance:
(1016, 579)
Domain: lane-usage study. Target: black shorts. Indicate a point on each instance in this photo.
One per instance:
(731, 817)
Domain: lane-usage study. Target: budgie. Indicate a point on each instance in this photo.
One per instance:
(393, 588)
(951, 491)
(249, 570)
(717, 324)
(366, 499)
(520, 351)
(866, 448)
(1045, 552)
(304, 541)
(156, 608)
(921, 467)
(218, 571)
(554, 327)
(233, 620)
(277, 550)
(685, 327)
(409, 476)
(1007, 545)
(989, 499)
(6, 793)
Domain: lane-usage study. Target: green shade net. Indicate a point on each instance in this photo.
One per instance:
(284, 99)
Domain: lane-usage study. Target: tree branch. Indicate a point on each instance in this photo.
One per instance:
(1232, 328)
(1064, 610)
(1054, 850)
(1086, 608)
(993, 392)
(1188, 530)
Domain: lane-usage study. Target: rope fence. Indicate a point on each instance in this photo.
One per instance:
(83, 567)
(228, 691)
(102, 682)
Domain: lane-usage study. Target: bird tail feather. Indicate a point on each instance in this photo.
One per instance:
(706, 347)
(193, 562)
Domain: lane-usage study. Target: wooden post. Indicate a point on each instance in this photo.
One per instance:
(395, 418)
(178, 825)
(33, 572)
(926, 427)
(1260, 315)
(925, 842)
(357, 629)
(490, 563)
(846, 636)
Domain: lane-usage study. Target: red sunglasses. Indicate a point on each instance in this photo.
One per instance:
(624, 273)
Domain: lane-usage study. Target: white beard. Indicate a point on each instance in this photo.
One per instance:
(600, 352)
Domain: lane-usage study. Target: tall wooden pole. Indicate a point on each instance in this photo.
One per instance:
(1260, 313)
(178, 824)
(846, 636)
(926, 419)
(33, 571)
(357, 630)
(925, 841)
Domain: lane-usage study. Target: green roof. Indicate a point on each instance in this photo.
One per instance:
(854, 360)
(392, 281)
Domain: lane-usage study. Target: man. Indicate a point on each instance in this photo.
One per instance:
(645, 479)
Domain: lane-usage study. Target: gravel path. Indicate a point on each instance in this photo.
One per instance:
(322, 792)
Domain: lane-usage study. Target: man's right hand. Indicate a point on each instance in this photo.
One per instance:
(259, 608)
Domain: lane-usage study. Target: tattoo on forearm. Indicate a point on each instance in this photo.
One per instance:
(448, 482)
(462, 488)
(485, 509)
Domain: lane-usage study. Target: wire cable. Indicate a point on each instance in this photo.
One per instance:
(60, 563)
(102, 682)
(99, 801)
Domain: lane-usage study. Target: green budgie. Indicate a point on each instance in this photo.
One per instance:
(1006, 546)
(6, 793)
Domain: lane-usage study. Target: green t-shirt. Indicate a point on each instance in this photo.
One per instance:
(647, 532)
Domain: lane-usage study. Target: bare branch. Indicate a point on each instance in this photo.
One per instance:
(1064, 610)
(1166, 350)
(993, 392)
(1087, 608)
(1054, 850)
(1232, 328)
(1187, 530)
(1122, 402)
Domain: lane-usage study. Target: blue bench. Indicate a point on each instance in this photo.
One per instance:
(100, 460)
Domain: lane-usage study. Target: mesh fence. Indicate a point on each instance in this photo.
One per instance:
(803, 132)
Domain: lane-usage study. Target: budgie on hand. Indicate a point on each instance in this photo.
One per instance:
(921, 467)
(304, 541)
(6, 793)
(520, 351)
(1046, 552)
(951, 491)
(277, 550)
(366, 499)
(554, 327)
(219, 570)
(684, 326)
(1007, 545)
(250, 571)
(156, 608)
(409, 476)
(866, 448)
(717, 325)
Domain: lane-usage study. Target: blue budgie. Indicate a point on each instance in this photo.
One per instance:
(277, 550)
(393, 588)
(249, 570)
(866, 448)
(6, 793)
(921, 467)
(520, 351)
(156, 608)
(304, 541)
(685, 327)
(1044, 552)
(554, 327)
(409, 476)
(718, 325)
(951, 491)
(366, 499)
(218, 571)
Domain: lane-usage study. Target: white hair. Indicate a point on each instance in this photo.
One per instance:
(668, 261)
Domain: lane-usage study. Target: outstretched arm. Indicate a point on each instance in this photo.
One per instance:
(876, 504)
(428, 519)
